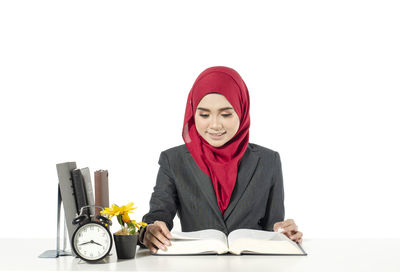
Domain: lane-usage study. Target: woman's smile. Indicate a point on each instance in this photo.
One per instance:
(216, 136)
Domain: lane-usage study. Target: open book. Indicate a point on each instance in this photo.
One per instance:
(241, 241)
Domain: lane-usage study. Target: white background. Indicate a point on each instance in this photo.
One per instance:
(105, 84)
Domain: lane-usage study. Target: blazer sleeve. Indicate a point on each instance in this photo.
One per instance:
(164, 200)
(275, 211)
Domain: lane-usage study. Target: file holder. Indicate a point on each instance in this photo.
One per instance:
(58, 252)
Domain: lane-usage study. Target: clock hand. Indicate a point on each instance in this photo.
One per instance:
(96, 243)
(90, 242)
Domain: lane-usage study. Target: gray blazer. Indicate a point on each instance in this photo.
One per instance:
(257, 201)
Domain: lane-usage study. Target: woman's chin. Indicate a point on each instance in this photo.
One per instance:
(216, 143)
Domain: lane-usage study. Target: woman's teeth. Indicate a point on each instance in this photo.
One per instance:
(216, 134)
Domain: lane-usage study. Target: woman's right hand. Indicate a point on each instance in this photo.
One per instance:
(157, 236)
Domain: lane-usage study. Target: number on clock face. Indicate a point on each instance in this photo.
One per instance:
(92, 241)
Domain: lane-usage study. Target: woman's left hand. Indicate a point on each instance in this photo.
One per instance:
(290, 230)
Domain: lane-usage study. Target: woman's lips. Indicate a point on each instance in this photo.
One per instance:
(216, 136)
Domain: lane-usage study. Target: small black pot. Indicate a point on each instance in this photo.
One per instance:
(126, 246)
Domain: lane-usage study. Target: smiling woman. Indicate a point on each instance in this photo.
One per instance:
(217, 179)
(216, 120)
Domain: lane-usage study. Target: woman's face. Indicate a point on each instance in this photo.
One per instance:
(216, 120)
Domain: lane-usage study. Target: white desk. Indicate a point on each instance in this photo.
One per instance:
(323, 255)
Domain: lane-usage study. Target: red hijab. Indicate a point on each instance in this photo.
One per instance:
(219, 163)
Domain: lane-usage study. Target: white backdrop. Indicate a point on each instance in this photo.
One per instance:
(105, 84)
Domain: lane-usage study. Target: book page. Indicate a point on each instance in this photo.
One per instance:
(262, 242)
(196, 242)
(200, 234)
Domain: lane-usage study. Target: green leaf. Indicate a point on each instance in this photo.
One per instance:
(120, 221)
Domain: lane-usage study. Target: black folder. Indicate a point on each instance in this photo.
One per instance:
(80, 191)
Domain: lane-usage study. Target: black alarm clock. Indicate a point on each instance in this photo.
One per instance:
(92, 240)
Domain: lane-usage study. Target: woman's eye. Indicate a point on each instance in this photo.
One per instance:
(226, 114)
(204, 115)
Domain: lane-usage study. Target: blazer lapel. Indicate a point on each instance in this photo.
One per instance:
(246, 169)
(204, 183)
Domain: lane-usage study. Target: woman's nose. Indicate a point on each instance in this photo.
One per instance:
(215, 124)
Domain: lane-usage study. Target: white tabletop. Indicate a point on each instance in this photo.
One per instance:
(323, 255)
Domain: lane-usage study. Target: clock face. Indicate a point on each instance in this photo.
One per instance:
(92, 241)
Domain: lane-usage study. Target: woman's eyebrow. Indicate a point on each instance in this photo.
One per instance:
(221, 109)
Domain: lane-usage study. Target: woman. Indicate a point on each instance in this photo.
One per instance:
(217, 179)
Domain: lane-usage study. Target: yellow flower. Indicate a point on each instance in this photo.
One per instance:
(138, 225)
(122, 214)
(128, 208)
(125, 218)
(115, 210)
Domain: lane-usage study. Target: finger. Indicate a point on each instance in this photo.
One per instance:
(157, 243)
(157, 233)
(287, 222)
(164, 229)
(277, 225)
(289, 225)
(296, 236)
(291, 229)
(162, 236)
(148, 244)
(154, 242)
(152, 248)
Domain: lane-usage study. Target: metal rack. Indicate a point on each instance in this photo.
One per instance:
(55, 253)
